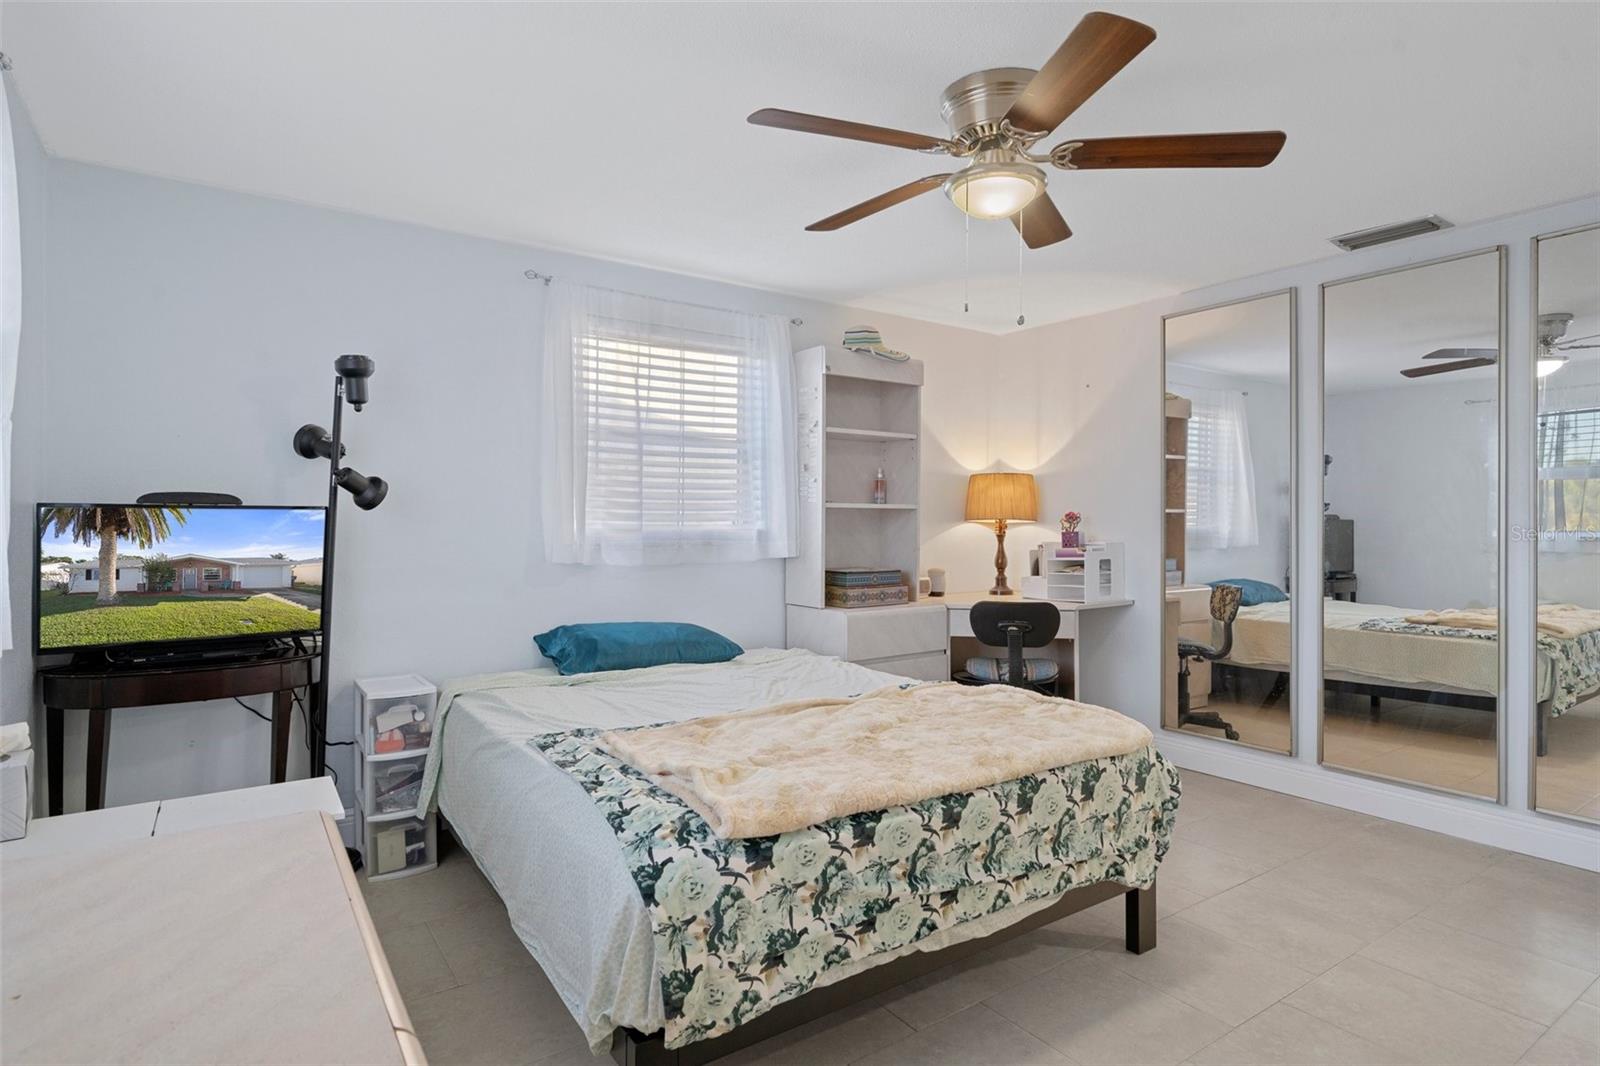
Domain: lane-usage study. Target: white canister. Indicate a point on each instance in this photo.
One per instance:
(936, 581)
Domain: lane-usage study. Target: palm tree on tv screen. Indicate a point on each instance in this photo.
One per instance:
(144, 526)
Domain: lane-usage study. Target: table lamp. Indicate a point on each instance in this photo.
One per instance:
(1001, 498)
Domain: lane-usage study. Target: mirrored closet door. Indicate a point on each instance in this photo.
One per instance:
(1566, 765)
(1410, 593)
(1228, 444)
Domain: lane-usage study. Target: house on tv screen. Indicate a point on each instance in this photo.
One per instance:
(191, 573)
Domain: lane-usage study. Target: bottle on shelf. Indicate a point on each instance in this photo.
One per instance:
(880, 488)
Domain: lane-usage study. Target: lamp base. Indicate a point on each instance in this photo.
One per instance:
(1001, 587)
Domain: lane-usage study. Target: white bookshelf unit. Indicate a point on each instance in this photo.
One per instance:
(857, 413)
(397, 718)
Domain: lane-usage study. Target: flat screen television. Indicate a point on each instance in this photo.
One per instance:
(158, 578)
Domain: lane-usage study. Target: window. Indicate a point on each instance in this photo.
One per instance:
(89, 574)
(1220, 507)
(1569, 476)
(212, 573)
(669, 431)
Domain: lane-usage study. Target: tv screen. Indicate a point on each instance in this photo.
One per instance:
(132, 575)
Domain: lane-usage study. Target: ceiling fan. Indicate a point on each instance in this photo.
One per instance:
(1551, 355)
(996, 116)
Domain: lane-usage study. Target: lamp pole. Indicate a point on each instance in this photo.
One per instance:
(314, 442)
(319, 717)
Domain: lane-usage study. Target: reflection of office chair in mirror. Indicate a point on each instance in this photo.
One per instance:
(1015, 624)
(1224, 609)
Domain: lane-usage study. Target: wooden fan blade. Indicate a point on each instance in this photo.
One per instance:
(1099, 46)
(1445, 368)
(838, 127)
(1040, 223)
(1255, 149)
(1490, 354)
(878, 203)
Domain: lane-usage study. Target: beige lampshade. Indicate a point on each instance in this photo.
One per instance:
(995, 496)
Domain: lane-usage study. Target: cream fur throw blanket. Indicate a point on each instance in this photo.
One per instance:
(1566, 620)
(786, 767)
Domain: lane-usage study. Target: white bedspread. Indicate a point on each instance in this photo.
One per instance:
(543, 844)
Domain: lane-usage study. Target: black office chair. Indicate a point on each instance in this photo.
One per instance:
(1224, 609)
(1016, 624)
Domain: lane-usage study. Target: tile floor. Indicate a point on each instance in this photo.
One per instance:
(1290, 932)
(1445, 747)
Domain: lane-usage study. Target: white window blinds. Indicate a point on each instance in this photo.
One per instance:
(1569, 468)
(1220, 508)
(669, 431)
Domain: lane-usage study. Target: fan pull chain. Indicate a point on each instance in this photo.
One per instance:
(1022, 220)
(966, 275)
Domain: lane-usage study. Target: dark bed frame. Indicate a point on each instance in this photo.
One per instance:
(631, 1048)
(1378, 693)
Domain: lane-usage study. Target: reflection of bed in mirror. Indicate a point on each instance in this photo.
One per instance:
(1370, 650)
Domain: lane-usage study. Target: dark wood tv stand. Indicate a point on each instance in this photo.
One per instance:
(103, 686)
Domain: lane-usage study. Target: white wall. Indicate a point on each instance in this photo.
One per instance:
(1099, 434)
(254, 297)
(1415, 469)
(16, 666)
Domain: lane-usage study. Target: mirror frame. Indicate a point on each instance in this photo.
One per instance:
(1293, 293)
(1502, 517)
(1533, 509)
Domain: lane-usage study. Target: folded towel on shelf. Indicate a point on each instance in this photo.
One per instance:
(14, 737)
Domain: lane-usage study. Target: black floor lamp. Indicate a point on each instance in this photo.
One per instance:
(314, 442)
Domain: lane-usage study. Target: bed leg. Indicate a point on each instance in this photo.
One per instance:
(629, 1048)
(1140, 904)
(1542, 711)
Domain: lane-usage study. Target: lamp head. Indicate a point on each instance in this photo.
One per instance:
(314, 442)
(355, 370)
(368, 492)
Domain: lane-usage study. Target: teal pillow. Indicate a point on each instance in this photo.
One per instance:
(590, 647)
(1253, 593)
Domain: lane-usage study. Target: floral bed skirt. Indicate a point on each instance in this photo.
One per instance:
(744, 925)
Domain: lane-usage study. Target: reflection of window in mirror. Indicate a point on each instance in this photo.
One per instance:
(1411, 392)
(1228, 445)
(1567, 454)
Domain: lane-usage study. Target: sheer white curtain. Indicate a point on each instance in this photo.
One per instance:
(1221, 503)
(668, 431)
(10, 332)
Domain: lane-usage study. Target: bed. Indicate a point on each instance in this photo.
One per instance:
(530, 827)
(1368, 648)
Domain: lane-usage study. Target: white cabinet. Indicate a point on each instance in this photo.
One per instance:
(859, 414)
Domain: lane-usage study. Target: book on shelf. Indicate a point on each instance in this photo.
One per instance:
(862, 576)
(872, 596)
(1174, 578)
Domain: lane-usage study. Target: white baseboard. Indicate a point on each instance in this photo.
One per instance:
(1480, 821)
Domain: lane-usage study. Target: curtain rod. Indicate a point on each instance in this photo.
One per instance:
(534, 275)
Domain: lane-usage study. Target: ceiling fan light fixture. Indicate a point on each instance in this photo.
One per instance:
(995, 190)
(1549, 364)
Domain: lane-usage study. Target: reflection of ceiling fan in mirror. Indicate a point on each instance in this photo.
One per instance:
(996, 116)
(1552, 349)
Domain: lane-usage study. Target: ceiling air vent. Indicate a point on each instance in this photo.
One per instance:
(1399, 231)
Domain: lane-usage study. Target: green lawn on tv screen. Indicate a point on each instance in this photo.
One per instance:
(74, 621)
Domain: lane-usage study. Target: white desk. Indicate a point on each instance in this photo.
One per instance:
(247, 942)
(1074, 616)
(136, 821)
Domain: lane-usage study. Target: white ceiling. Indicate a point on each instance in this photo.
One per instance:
(618, 129)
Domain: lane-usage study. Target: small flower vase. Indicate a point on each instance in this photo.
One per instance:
(1069, 538)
